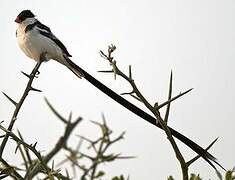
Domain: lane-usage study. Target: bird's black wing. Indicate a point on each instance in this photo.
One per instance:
(55, 40)
(39, 25)
(43, 27)
(46, 31)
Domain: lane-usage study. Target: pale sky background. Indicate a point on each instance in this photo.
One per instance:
(195, 39)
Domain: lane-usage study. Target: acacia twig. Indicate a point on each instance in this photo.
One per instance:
(153, 109)
(19, 104)
(10, 170)
(29, 159)
(61, 143)
(100, 147)
(169, 97)
(28, 146)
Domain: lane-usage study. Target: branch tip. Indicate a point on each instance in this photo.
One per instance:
(130, 72)
(10, 99)
(27, 75)
(174, 98)
(34, 89)
(106, 71)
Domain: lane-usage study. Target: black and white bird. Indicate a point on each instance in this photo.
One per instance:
(38, 42)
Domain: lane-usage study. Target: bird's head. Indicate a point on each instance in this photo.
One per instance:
(24, 15)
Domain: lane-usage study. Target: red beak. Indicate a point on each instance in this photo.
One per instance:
(17, 20)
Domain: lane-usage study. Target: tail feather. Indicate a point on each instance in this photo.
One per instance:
(195, 147)
(70, 64)
(77, 73)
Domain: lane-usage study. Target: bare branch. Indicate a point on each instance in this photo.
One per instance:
(55, 112)
(169, 97)
(174, 98)
(29, 159)
(62, 141)
(155, 111)
(18, 106)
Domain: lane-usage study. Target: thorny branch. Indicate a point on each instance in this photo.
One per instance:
(33, 167)
(18, 106)
(99, 146)
(153, 108)
(20, 103)
(60, 144)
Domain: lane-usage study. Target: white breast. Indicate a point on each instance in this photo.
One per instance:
(33, 44)
(25, 43)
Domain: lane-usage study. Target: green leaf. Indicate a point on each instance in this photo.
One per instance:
(118, 178)
(229, 175)
(110, 157)
(195, 177)
(122, 177)
(115, 178)
(170, 178)
(100, 174)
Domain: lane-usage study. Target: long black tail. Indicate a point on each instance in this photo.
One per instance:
(198, 149)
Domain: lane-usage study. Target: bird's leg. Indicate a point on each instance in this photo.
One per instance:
(42, 58)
